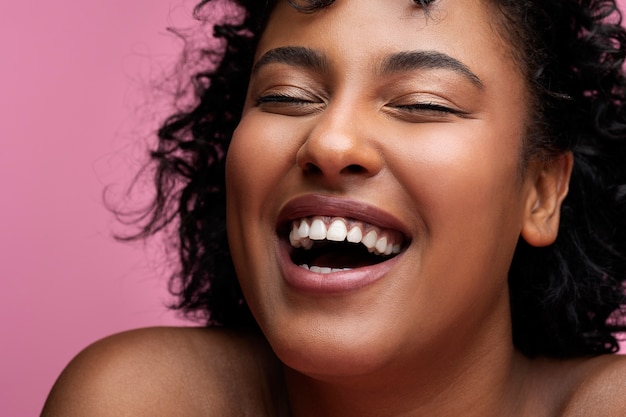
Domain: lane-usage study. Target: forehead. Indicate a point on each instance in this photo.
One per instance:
(356, 36)
(369, 29)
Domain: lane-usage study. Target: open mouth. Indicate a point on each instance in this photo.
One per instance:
(325, 244)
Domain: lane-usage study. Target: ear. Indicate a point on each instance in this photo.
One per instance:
(549, 184)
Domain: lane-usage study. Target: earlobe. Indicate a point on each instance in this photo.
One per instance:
(548, 190)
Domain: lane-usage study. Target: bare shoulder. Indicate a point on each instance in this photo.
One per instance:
(601, 388)
(169, 372)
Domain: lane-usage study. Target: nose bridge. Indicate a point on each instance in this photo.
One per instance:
(338, 145)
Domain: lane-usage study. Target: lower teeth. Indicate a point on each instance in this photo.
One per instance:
(323, 269)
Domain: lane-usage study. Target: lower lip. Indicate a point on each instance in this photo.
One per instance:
(303, 280)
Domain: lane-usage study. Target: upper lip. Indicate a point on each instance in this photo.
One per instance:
(324, 205)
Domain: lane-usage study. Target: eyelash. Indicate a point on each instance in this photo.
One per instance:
(429, 107)
(281, 99)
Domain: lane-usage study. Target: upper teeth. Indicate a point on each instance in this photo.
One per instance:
(337, 229)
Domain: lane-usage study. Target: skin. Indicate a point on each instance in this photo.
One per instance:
(432, 336)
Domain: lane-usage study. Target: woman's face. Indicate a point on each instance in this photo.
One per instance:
(372, 122)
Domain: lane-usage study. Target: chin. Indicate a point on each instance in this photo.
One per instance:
(331, 354)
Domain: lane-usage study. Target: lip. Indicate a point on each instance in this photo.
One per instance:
(336, 283)
(323, 205)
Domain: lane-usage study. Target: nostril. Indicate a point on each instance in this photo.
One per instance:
(311, 168)
(354, 169)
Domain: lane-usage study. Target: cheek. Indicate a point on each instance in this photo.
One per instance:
(258, 157)
(248, 178)
(262, 151)
(466, 188)
(258, 160)
(247, 156)
(467, 168)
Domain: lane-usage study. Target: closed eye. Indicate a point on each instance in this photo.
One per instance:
(288, 105)
(424, 112)
(429, 108)
(281, 98)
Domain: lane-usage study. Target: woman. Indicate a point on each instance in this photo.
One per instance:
(393, 176)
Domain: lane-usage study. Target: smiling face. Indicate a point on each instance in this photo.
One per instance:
(375, 196)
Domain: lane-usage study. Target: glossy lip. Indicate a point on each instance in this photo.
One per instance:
(337, 282)
(322, 205)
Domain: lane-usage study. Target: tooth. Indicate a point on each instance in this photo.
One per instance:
(396, 249)
(388, 249)
(304, 228)
(320, 269)
(337, 231)
(307, 243)
(355, 235)
(305, 266)
(294, 238)
(369, 240)
(318, 229)
(381, 244)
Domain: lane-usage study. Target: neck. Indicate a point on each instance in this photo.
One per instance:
(452, 379)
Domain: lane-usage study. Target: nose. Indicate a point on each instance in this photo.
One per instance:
(339, 147)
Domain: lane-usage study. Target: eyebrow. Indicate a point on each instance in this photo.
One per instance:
(293, 55)
(399, 62)
(416, 60)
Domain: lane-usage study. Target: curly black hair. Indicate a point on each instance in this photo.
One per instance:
(567, 299)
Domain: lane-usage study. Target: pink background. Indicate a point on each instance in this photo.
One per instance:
(76, 108)
(77, 103)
